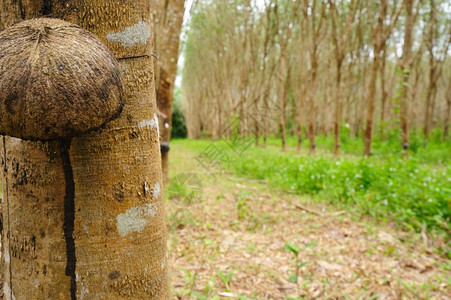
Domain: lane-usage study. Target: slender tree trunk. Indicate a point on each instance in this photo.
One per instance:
(169, 20)
(300, 103)
(311, 102)
(257, 118)
(381, 32)
(84, 218)
(430, 99)
(447, 120)
(338, 109)
(311, 126)
(384, 94)
(265, 120)
(299, 113)
(220, 119)
(370, 108)
(406, 63)
(281, 97)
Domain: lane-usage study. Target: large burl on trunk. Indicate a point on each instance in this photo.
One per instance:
(83, 217)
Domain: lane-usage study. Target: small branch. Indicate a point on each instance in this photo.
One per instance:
(301, 207)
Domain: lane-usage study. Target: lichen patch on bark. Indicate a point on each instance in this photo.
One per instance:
(156, 190)
(130, 36)
(135, 219)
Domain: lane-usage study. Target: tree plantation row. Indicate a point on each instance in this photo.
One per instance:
(305, 68)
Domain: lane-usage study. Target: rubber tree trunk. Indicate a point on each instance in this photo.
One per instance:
(384, 92)
(447, 121)
(405, 65)
(338, 108)
(281, 94)
(311, 103)
(168, 23)
(430, 99)
(84, 218)
(370, 109)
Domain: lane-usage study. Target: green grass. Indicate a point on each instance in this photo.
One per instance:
(414, 193)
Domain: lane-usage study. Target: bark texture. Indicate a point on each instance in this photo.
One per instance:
(84, 218)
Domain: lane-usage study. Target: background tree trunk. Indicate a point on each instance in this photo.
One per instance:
(85, 218)
(384, 92)
(282, 97)
(168, 23)
(447, 121)
(381, 32)
(405, 65)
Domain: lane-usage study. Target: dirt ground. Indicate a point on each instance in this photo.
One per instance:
(229, 243)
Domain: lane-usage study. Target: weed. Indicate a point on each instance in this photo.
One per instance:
(226, 278)
(291, 247)
(179, 219)
(242, 208)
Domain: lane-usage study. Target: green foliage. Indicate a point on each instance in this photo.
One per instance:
(178, 129)
(410, 193)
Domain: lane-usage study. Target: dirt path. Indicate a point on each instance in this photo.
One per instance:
(240, 227)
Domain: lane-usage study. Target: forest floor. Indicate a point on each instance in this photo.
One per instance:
(229, 242)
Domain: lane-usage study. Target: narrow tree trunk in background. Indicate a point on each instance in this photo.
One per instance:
(257, 119)
(311, 113)
(300, 102)
(311, 28)
(338, 109)
(447, 117)
(381, 32)
(341, 46)
(265, 120)
(434, 71)
(168, 24)
(311, 108)
(299, 113)
(370, 106)
(405, 65)
(384, 94)
(85, 218)
(430, 99)
(281, 95)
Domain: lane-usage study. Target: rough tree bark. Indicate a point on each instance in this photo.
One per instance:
(84, 218)
(168, 24)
